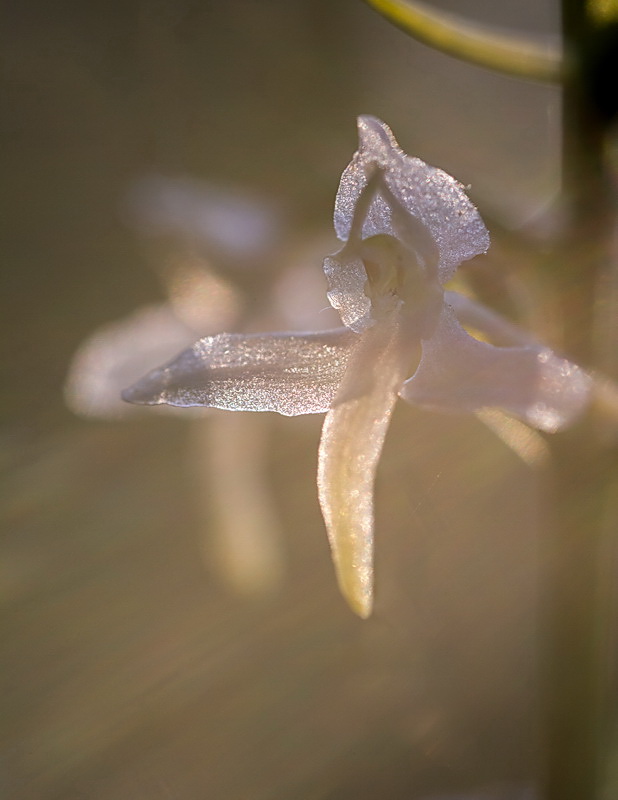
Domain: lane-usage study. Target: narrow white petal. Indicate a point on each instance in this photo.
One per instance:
(428, 194)
(284, 372)
(459, 373)
(350, 447)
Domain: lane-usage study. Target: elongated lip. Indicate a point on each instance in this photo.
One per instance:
(146, 391)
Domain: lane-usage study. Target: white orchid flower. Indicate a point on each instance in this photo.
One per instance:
(405, 228)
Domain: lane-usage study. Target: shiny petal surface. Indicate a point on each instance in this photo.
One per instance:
(428, 194)
(284, 372)
(346, 281)
(350, 447)
(461, 374)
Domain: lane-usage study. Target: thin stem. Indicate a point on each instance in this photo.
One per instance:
(584, 465)
(579, 613)
(513, 55)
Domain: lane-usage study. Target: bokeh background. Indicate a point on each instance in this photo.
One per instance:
(133, 670)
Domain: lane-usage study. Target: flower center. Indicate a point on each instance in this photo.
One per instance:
(394, 275)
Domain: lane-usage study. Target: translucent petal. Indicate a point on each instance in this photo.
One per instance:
(460, 373)
(284, 372)
(427, 193)
(346, 290)
(350, 447)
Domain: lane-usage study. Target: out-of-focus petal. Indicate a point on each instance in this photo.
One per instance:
(525, 442)
(427, 193)
(231, 222)
(350, 447)
(200, 298)
(459, 373)
(284, 372)
(117, 354)
(242, 534)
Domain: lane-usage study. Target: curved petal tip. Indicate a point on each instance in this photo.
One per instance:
(143, 393)
(372, 131)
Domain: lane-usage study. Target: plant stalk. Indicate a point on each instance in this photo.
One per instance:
(579, 551)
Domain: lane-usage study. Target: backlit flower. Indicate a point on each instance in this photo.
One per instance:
(405, 228)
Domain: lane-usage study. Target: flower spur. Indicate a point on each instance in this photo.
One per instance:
(405, 228)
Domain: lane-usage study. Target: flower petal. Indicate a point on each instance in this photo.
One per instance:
(427, 193)
(460, 373)
(346, 290)
(350, 447)
(284, 372)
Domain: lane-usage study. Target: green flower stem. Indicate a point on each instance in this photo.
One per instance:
(578, 563)
(579, 550)
(516, 56)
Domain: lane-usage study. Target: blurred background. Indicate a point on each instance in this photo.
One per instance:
(144, 658)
